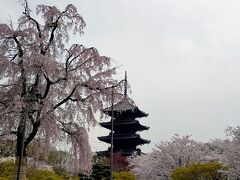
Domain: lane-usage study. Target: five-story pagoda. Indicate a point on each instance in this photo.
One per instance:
(125, 126)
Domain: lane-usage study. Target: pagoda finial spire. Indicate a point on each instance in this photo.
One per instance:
(125, 84)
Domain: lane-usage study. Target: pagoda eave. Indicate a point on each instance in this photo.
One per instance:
(134, 125)
(124, 153)
(120, 140)
(135, 113)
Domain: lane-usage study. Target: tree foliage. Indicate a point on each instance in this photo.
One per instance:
(124, 175)
(35, 174)
(231, 154)
(228, 152)
(185, 156)
(167, 156)
(55, 87)
(58, 159)
(6, 169)
(120, 162)
(200, 171)
(100, 170)
(7, 148)
(101, 167)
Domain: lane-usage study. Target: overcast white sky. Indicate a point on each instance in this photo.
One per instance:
(182, 59)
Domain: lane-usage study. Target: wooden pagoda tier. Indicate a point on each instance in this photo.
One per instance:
(125, 127)
(124, 139)
(120, 126)
(126, 152)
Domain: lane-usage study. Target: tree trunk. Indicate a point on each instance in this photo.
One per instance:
(20, 139)
(21, 162)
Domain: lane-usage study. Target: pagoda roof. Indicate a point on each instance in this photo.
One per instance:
(123, 137)
(127, 105)
(108, 152)
(126, 124)
(124, 152)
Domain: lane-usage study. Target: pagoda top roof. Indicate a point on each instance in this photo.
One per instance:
(125, 105)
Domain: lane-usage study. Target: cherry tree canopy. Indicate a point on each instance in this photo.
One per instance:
(57, 90)
(231, 154)
(228, 152)
(166, 157)
(182, 151)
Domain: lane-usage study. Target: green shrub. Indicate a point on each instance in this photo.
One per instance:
(199, 171)
(6, 169)
(7, 178)
(36, 174)
(124, 175)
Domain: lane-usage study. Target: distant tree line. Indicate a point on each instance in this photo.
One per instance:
(184, 158)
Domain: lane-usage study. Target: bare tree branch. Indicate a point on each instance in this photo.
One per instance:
(66, 99)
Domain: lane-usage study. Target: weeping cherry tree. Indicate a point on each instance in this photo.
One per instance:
(50, 89)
